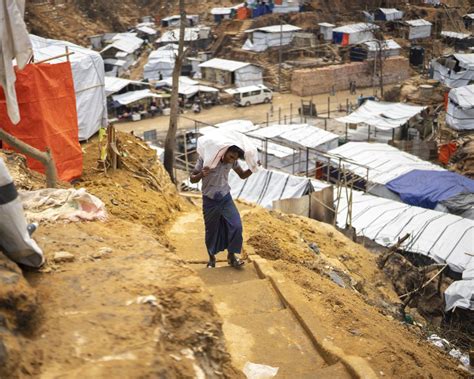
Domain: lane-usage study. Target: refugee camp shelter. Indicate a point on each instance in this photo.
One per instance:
(459, 293)
(370, 50)
(135, 99)
(455, 70)
(460, 113)
(460, 41)
(187, 87)
(119, 85)
(175, 20)
(88, 73)
(418, 29)
(161, 62)
(228, 72)
(387, 14)
(443, 237)
(115, 67)
(380, 116)
(384, 162)
(124, 46)
(326, 29)
(220, 14)
(260, 39)
(286, 6)
(353, 34)
(198, 37)
(146, 32)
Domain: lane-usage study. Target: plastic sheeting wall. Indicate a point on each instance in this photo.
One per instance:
(262, 41)
(460, 113)
(88, 75)
(418, 32)
(451, 78)
(248, 76)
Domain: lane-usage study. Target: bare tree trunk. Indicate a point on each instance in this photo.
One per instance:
(44, 158)
(170, 142)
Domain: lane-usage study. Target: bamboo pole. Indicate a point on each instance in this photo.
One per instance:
(44, 158)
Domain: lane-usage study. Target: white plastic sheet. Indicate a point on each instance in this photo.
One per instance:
(212, 146)
(14, 44)
(382, 115)
(460, 114)
(444, 237)
(385, 162)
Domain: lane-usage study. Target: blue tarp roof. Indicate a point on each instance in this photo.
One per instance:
(425, 188)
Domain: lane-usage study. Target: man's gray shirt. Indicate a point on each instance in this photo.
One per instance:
(217, 182)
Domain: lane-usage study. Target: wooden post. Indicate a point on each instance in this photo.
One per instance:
(347, 106)
(291, 112)
(347, 137)
(44, 158)
(368, 135)
(302, 111)
(268, 119)
(329, 107)
(325, 124)
(279, 115)
(284, 118)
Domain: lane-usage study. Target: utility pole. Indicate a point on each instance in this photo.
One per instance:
(280, 54)
(170, 142)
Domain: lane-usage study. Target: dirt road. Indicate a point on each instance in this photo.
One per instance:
(255, 113)
(257, 325)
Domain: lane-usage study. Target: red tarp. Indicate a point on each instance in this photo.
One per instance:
(47, 103)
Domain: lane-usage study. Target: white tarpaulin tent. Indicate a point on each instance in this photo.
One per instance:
(460, 113)
(190, 34)
(418, 29)
(382, 115)
(187, 86)
(14, 44)
(389, 14)
(266, 186)
(385, 162)
(455, 71)
(270, 36)
(88, 74)
(132, 96)
(301, 134)
(389, 47)
(113, 85)
(162, 61)
(444, 237)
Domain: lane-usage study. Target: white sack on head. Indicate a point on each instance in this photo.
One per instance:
(213, 146)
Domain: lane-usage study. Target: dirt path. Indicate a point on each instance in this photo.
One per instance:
(94, 323)
(257, 326)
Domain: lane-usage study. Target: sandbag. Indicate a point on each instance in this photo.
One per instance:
(15, 241)
(212, 147)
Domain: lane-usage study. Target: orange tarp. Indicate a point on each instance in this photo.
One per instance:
(47, 105)
(242, 13)
(345, 39)
(446, 151)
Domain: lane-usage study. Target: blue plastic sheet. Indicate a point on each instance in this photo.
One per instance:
(425, 188)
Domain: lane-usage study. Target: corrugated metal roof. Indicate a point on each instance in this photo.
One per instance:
(419, 22)
(355, 28)
(224, 64)
(275, 29)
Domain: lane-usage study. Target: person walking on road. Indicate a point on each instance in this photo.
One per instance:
(221, 217)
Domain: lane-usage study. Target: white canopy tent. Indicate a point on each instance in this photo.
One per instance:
(444, 237)
(88, 74)
(133, 96)
(385, 162)
(113, 85)
(460, 113)
(382, 115)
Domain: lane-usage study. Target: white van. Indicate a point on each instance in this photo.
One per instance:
(246, 96)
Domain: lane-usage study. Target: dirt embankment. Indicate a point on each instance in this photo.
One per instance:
(86, 317)
(355, 301)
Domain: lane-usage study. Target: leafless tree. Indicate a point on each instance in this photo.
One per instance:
(170, 142)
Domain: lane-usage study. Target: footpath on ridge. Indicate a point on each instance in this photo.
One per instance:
(258, 326)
